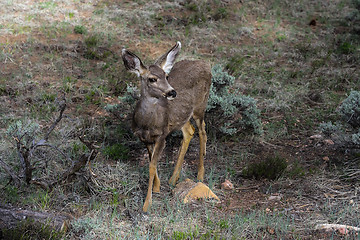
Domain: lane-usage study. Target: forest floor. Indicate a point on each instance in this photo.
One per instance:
(298, 60)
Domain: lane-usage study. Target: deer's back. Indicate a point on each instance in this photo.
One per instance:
(191, 80)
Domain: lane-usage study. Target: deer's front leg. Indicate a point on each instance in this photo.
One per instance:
(156, 187)
(157, 150)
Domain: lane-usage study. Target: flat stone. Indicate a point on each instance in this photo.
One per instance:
(329, 142)
(275, 198)
(316, 136)
(189, 191)
(227, 185)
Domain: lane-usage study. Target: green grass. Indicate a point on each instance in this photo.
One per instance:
(28, 229)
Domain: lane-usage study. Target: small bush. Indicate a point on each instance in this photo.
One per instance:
(203, 11)
(270, 168)
(117, 151)
(346, 48)
(127, 103)
(350, 109)
(329, 128)
(94, 48)
(229, 111)
(357, 4)
(79, 29)
(355, 138)
(354, 16)
(234, 65)
(91, 41)
(221, 13)
(26, 131)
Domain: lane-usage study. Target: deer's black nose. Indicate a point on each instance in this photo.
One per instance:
(172, 93)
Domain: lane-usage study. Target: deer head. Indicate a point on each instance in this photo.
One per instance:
(154, 81)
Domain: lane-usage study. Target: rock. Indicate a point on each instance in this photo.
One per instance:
(317, 136)
(329, 142)
(275, 198)
(189, 191)
(227, 185)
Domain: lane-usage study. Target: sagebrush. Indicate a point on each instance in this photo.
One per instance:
(229, 111)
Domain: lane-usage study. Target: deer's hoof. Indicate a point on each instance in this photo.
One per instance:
(146, 206)
(156, 188)
(173, 181)
(200, 176)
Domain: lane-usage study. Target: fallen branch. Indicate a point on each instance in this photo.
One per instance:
(343, 229)
(11, 217)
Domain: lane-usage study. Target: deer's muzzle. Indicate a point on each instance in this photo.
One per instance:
(171, 95)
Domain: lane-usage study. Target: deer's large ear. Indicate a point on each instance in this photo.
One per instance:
(166, 61)
(132, 62)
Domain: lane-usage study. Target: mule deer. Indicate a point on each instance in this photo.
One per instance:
(170, 95)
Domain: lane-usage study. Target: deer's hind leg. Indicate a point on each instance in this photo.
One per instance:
(200, 123)
(188, 132)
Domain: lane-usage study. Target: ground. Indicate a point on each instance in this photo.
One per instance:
(298, 60)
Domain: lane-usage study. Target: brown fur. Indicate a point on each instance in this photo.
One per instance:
(155, 115)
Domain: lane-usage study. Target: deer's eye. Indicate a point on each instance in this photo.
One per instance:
(152, 80)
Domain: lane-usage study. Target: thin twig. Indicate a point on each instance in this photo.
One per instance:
(76, 167)
(62, 109)
(50, 146)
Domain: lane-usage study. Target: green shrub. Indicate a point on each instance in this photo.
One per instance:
(234, 65)
(117, 151)
(329, 128)
(80, 29)
(94, 49)
(229, 110)
(355, 138)
(354, 16)
(91, 41)
(127, 103)
(23, 131)
(221, 13)
(203, 11)
(350, 109)
(346, 48)
(270, 168)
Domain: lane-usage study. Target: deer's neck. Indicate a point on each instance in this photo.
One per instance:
(150, 118)
(149, 106)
